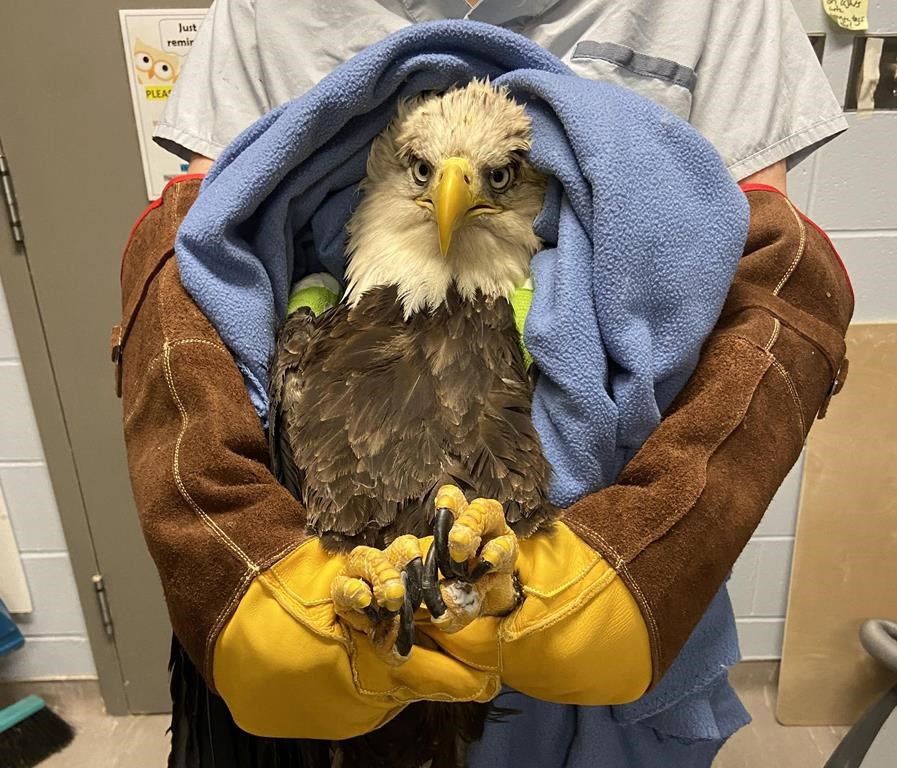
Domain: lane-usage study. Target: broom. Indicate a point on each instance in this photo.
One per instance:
(29, 730)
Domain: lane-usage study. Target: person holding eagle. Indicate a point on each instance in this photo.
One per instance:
(414, 556)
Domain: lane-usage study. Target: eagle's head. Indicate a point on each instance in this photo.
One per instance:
(449, 198)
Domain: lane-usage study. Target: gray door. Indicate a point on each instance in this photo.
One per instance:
(68, 133)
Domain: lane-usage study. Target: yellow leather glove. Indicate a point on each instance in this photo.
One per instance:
(578, 637)
(287, 667)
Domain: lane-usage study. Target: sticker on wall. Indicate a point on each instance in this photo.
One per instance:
(156, 43)
(848, 14)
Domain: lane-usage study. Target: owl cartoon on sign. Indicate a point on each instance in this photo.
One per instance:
(154, 66)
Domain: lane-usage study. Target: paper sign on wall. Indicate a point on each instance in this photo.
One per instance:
(849, 14)
(156, 43)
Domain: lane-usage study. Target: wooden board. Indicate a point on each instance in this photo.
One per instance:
(13, 587)
(845, 556)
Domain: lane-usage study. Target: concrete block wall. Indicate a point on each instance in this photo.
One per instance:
(56, 642)
(759, 583)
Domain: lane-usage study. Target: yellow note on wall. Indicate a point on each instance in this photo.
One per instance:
(849, 14)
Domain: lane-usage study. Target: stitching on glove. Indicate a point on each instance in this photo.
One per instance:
(210, 523)
(494, 668)
(562, 612)
(220, 621)
(620, 566)
(737, 418)
(278, 556)
(286, 600)
(159, 358)
(648, 614)
(402, 694)
(491, 668)
(295, 596)
(800, 248)
(528, 590)
(794, 395)
(776, 329)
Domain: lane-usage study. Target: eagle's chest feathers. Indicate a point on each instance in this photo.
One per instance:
(391, 409)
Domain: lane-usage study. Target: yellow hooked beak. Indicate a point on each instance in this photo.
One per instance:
(455, 199)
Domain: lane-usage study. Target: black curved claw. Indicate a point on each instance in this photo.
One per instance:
(372, 612)
(413, 577)
(405, 637)
(441, 527)
(430, 585)
(479, 570)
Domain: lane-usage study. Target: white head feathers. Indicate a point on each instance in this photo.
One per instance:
(393, 237)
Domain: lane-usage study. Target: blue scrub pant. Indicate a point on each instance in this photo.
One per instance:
(682, 723)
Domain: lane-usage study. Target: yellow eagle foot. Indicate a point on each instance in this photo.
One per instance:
(377, 593)
(476, 552)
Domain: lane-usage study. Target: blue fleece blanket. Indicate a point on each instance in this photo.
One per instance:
(642, 232)
(643, 229)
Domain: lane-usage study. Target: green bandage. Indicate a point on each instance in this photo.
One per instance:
(316, 298)
(317, 292)
(521, 300)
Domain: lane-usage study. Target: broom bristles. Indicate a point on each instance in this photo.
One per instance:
(34, 739)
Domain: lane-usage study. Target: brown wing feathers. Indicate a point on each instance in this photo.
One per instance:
(284, 395)
(376, 412)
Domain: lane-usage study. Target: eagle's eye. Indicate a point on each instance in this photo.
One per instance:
(500, 178)
(420, 171)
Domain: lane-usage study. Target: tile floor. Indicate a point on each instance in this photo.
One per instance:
(765, 743)
(141, 742)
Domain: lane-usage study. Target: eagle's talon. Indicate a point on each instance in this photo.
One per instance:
(405, 636)
(413, 576)
(476, 551)
(430, 585)
(501, 552)
(464, 603)
(451, 568)
(479, 570)
(377, 594)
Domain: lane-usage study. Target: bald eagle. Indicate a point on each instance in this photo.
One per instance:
(405, 408)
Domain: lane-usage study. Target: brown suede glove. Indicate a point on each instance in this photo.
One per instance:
(212, 514)
(672, 526)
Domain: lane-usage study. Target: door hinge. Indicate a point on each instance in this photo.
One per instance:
(103, 601)
(9, 195)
